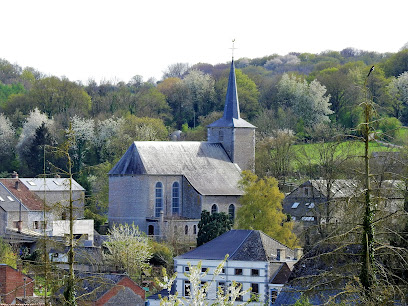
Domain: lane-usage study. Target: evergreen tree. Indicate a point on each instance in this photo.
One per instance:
(212, 225)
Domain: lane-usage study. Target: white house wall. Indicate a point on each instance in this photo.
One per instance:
(246, 279)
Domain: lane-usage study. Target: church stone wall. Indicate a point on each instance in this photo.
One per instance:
(239, 143)
(213, 135)
(222, 202)
(191, 201)
(128, 200)
(244, 148)
(167, 182)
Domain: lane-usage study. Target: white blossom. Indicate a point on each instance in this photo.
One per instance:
(308, 101)
(33, 121)
(7, 133)
(107, 129)
(128, 248)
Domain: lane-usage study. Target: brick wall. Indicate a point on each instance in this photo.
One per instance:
(12, 284)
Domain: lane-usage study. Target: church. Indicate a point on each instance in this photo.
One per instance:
(163, 186)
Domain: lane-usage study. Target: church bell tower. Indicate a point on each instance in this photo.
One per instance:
(235, 134)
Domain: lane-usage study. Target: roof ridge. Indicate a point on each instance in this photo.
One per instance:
(242, 242)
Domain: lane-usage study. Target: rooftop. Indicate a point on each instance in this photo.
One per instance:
(205, 165)
(12, 196)
(241, 245)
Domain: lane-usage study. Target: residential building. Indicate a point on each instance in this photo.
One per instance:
(255, 261)
(321, 201)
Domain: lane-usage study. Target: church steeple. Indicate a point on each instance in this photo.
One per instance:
(236, 135)
(231, 116)
(231, 108)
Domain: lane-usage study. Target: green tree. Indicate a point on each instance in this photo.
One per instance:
(34, 154)
(54, 96)
(396, 64)
(261, 209)
(212, 225)
(7, 256)
(247, 92)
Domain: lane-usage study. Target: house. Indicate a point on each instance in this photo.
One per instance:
(13, 284)
(255, 260)
(56, 194)
(162, 187)
(106, 289)
(20, 209)
(320, 201)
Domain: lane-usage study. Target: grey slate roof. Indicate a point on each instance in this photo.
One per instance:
(231, 116)
(339, 189)
(50, 184)
(240, 245)
(205, 165)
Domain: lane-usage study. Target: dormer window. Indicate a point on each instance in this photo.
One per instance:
(306, 191)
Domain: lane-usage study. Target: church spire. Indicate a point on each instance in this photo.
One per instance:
(231, 108)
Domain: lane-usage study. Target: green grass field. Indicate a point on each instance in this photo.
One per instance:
(310, 152)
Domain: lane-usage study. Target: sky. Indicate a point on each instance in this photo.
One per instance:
(116, 40)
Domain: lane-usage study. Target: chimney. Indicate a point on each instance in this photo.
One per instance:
(298, 253)
(17, 184)
(281, 254)
(14, 175)
(19, 226)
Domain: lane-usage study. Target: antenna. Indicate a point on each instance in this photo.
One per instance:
(233, 48)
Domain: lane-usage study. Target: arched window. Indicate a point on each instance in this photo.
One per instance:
(159, 199)
(195, 229)
(231, 211)
(150, 230)
(186, 230)
(214, 209)
(175, 199)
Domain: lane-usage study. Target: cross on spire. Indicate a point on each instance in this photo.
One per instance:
(233, 48)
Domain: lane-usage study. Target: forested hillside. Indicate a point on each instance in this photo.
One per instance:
(300, 93)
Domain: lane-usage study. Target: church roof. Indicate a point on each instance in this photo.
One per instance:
(231, 116)
(241, 245)
(205, 165)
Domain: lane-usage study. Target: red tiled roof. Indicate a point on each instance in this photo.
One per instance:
(27, 197)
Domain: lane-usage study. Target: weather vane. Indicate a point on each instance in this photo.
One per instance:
(233, 48)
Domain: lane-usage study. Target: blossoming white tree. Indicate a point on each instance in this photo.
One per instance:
(128, 248)
(7, 134)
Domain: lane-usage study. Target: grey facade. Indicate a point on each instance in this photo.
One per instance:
(56, 193)
(156, 184)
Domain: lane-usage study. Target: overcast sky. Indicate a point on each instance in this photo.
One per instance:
(115, 40)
